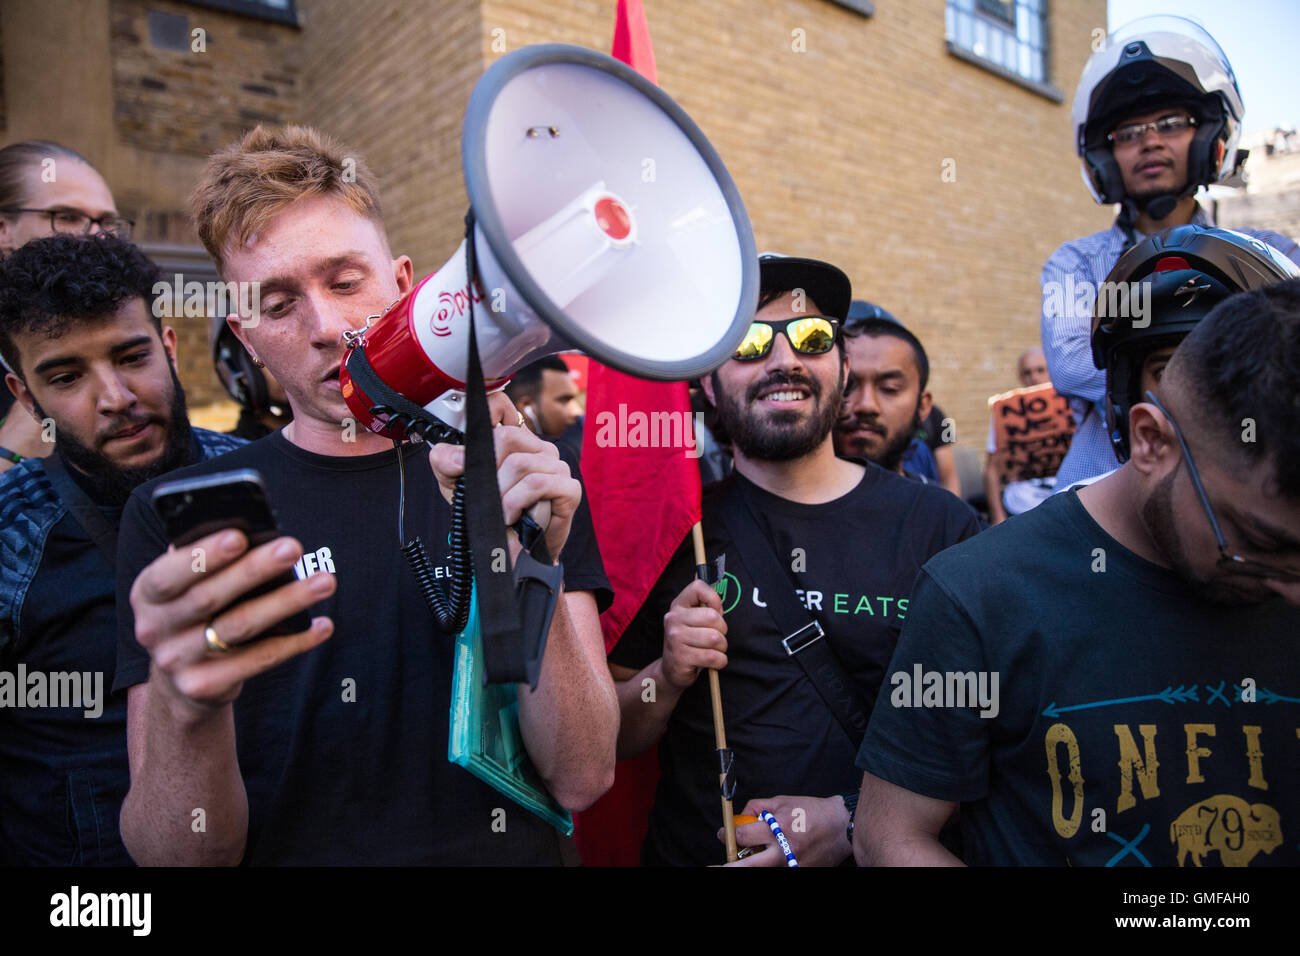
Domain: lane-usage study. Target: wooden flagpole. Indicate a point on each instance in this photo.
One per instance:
(719, 731)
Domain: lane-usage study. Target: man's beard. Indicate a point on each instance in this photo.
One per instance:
(1162, 527)
(781, 435)
(1143, 199)
(114, 483)
(890, 457)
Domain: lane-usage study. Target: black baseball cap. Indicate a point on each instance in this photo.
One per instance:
(824, 284)
(861, 311)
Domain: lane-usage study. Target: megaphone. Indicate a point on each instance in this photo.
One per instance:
(603, 221)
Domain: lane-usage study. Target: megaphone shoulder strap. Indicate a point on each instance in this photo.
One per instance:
(804, 639)
(512, 651)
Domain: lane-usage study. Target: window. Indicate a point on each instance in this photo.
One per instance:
(864, 7)
(1009, 36)
(277, 11)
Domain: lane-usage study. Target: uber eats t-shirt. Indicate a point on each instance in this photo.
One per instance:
(343, 749)
(1137, 724)
(854, 560)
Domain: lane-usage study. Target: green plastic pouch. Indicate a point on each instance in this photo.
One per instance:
(485, 738)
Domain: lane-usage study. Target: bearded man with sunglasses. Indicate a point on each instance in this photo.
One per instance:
(1157, 115)
(831, 543)
(1143, 629)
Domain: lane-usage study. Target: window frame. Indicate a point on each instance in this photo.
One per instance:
(1045, 87)
(253, 10)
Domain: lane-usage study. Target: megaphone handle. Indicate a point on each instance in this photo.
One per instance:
(532, 535)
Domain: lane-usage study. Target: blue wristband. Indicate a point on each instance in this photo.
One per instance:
(770, 820)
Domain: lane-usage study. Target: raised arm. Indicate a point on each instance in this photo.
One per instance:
(570, 723)
(1069, 291)
(694, 639)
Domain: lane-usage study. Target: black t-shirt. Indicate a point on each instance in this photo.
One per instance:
(249, 427)
(343, 749)
(931, 430)
(1122, 734)
(859, 556)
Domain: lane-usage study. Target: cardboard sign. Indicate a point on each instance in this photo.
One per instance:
(1033, 426)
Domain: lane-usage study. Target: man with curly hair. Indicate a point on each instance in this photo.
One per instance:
(92, 363)
(46, 189)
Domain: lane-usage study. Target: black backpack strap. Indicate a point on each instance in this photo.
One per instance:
(85, 512)
(805, 640)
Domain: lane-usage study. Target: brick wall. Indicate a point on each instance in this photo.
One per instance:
(838, 150)
(195, 101)
(391, 80)
(838, 153)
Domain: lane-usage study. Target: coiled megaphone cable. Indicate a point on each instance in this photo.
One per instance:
(451, 611)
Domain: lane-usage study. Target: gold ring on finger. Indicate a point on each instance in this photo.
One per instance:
(214, 643)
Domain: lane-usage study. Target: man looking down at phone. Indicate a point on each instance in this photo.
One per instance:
(329, 746)
(92, 362)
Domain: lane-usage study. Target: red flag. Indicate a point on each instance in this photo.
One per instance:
(643, 502)
(632, 40)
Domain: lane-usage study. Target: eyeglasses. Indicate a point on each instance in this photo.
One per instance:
(1167, 127)
(75, 222)
(1233, 563)
(808, 335)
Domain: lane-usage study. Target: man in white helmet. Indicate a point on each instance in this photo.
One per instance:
(1157, 115)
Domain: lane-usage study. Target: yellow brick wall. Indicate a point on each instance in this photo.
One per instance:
(391, 79)
(838, 153)
(171, 109)
(234, 74)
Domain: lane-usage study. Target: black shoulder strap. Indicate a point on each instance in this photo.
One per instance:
(90, 518)
(805, 638)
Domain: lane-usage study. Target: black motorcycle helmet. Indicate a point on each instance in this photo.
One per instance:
(242, 380)
(1174, 278)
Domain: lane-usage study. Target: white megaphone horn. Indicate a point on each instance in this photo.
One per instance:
(604, 221)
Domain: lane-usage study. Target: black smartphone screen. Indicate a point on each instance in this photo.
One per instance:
(193, 508)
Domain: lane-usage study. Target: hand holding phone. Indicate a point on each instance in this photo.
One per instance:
(192, 508)
(237, 592)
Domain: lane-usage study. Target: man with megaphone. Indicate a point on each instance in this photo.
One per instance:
(328, 746)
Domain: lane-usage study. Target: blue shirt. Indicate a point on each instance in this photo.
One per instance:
(63, 769)
(919, 461)
(1071, 278)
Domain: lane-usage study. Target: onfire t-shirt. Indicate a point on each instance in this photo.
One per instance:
(1136, 723)
(854, 559)
(343, 749)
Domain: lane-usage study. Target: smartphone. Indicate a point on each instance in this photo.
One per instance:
(193, 508)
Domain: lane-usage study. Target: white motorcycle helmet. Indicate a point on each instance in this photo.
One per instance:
(1147, 65)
